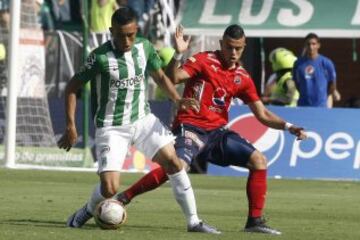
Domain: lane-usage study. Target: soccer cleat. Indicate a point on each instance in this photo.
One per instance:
(257, 225)
(203, 228)
(121, 197)
(79, 218)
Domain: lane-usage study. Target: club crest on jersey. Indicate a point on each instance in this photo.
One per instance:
(90, 61)
(218, 97)
(237, 80)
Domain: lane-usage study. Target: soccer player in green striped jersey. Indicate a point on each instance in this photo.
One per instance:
(122, 117)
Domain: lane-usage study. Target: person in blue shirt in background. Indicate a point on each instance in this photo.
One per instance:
(315, 76)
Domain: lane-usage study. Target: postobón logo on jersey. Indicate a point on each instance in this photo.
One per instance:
(126, 83)
(267, 140)
(219, 96)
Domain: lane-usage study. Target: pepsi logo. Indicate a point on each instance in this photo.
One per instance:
(267, 140)
(309, 71)
(219, 97)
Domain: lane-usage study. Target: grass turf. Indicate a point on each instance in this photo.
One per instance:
(34, 205)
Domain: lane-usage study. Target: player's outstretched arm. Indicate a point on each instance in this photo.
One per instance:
(270, 119)
(70, 134)
(176, 74)
(164, 82)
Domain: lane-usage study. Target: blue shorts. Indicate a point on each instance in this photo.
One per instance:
(220, 146)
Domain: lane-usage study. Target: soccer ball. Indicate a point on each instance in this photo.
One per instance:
(110, 214)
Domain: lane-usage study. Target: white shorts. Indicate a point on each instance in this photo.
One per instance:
(148, 135)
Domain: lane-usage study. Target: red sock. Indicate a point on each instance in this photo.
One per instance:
(150, 181)
(256, 191)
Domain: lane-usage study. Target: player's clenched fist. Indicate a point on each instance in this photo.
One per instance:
(68, 139)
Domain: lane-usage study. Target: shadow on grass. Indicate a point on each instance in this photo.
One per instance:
(88, 226)
(139, 227)
(39, 223)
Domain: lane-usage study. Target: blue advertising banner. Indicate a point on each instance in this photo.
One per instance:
(332, 150)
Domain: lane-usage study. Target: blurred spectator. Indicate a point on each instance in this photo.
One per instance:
(66, 14)
(4, 28)
(315, 75)
(2, 52)
(4, 14)
(100, 15)
(44, 15)
(4, 20)
(61, 10)
(122, 2)
(280, 88)
(142, 9)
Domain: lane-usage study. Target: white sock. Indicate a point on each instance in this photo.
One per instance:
(95, 198)
(184, 195)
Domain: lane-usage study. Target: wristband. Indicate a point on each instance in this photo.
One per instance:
(178, 56)
(288, 126)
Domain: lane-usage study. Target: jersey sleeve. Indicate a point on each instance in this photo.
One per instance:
(193, 65)
(248, 93)
(89, 70)
(153, 61)
(295, 73)
(330, 68)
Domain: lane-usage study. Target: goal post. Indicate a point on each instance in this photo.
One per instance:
(25, 120)
(10, 136)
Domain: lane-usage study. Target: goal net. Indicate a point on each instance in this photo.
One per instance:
(35, 139)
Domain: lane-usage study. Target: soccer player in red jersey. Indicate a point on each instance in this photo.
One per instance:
(214, 78)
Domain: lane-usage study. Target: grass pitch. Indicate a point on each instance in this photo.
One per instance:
(34, 205)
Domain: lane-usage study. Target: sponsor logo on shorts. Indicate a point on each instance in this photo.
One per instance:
(103, 161)
(104, 150)
(188, 141)
(192, 136)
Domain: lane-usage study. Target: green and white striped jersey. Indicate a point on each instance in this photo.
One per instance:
(118, 82)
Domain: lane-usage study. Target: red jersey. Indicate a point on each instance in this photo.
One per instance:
(214, 87)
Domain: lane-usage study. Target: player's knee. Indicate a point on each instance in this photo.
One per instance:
(185, 165)
(167, 158)
(257, 161)
(173, 164)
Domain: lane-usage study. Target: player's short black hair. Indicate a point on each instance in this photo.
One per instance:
(312, 36)
(123, 16)
(234, 31)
